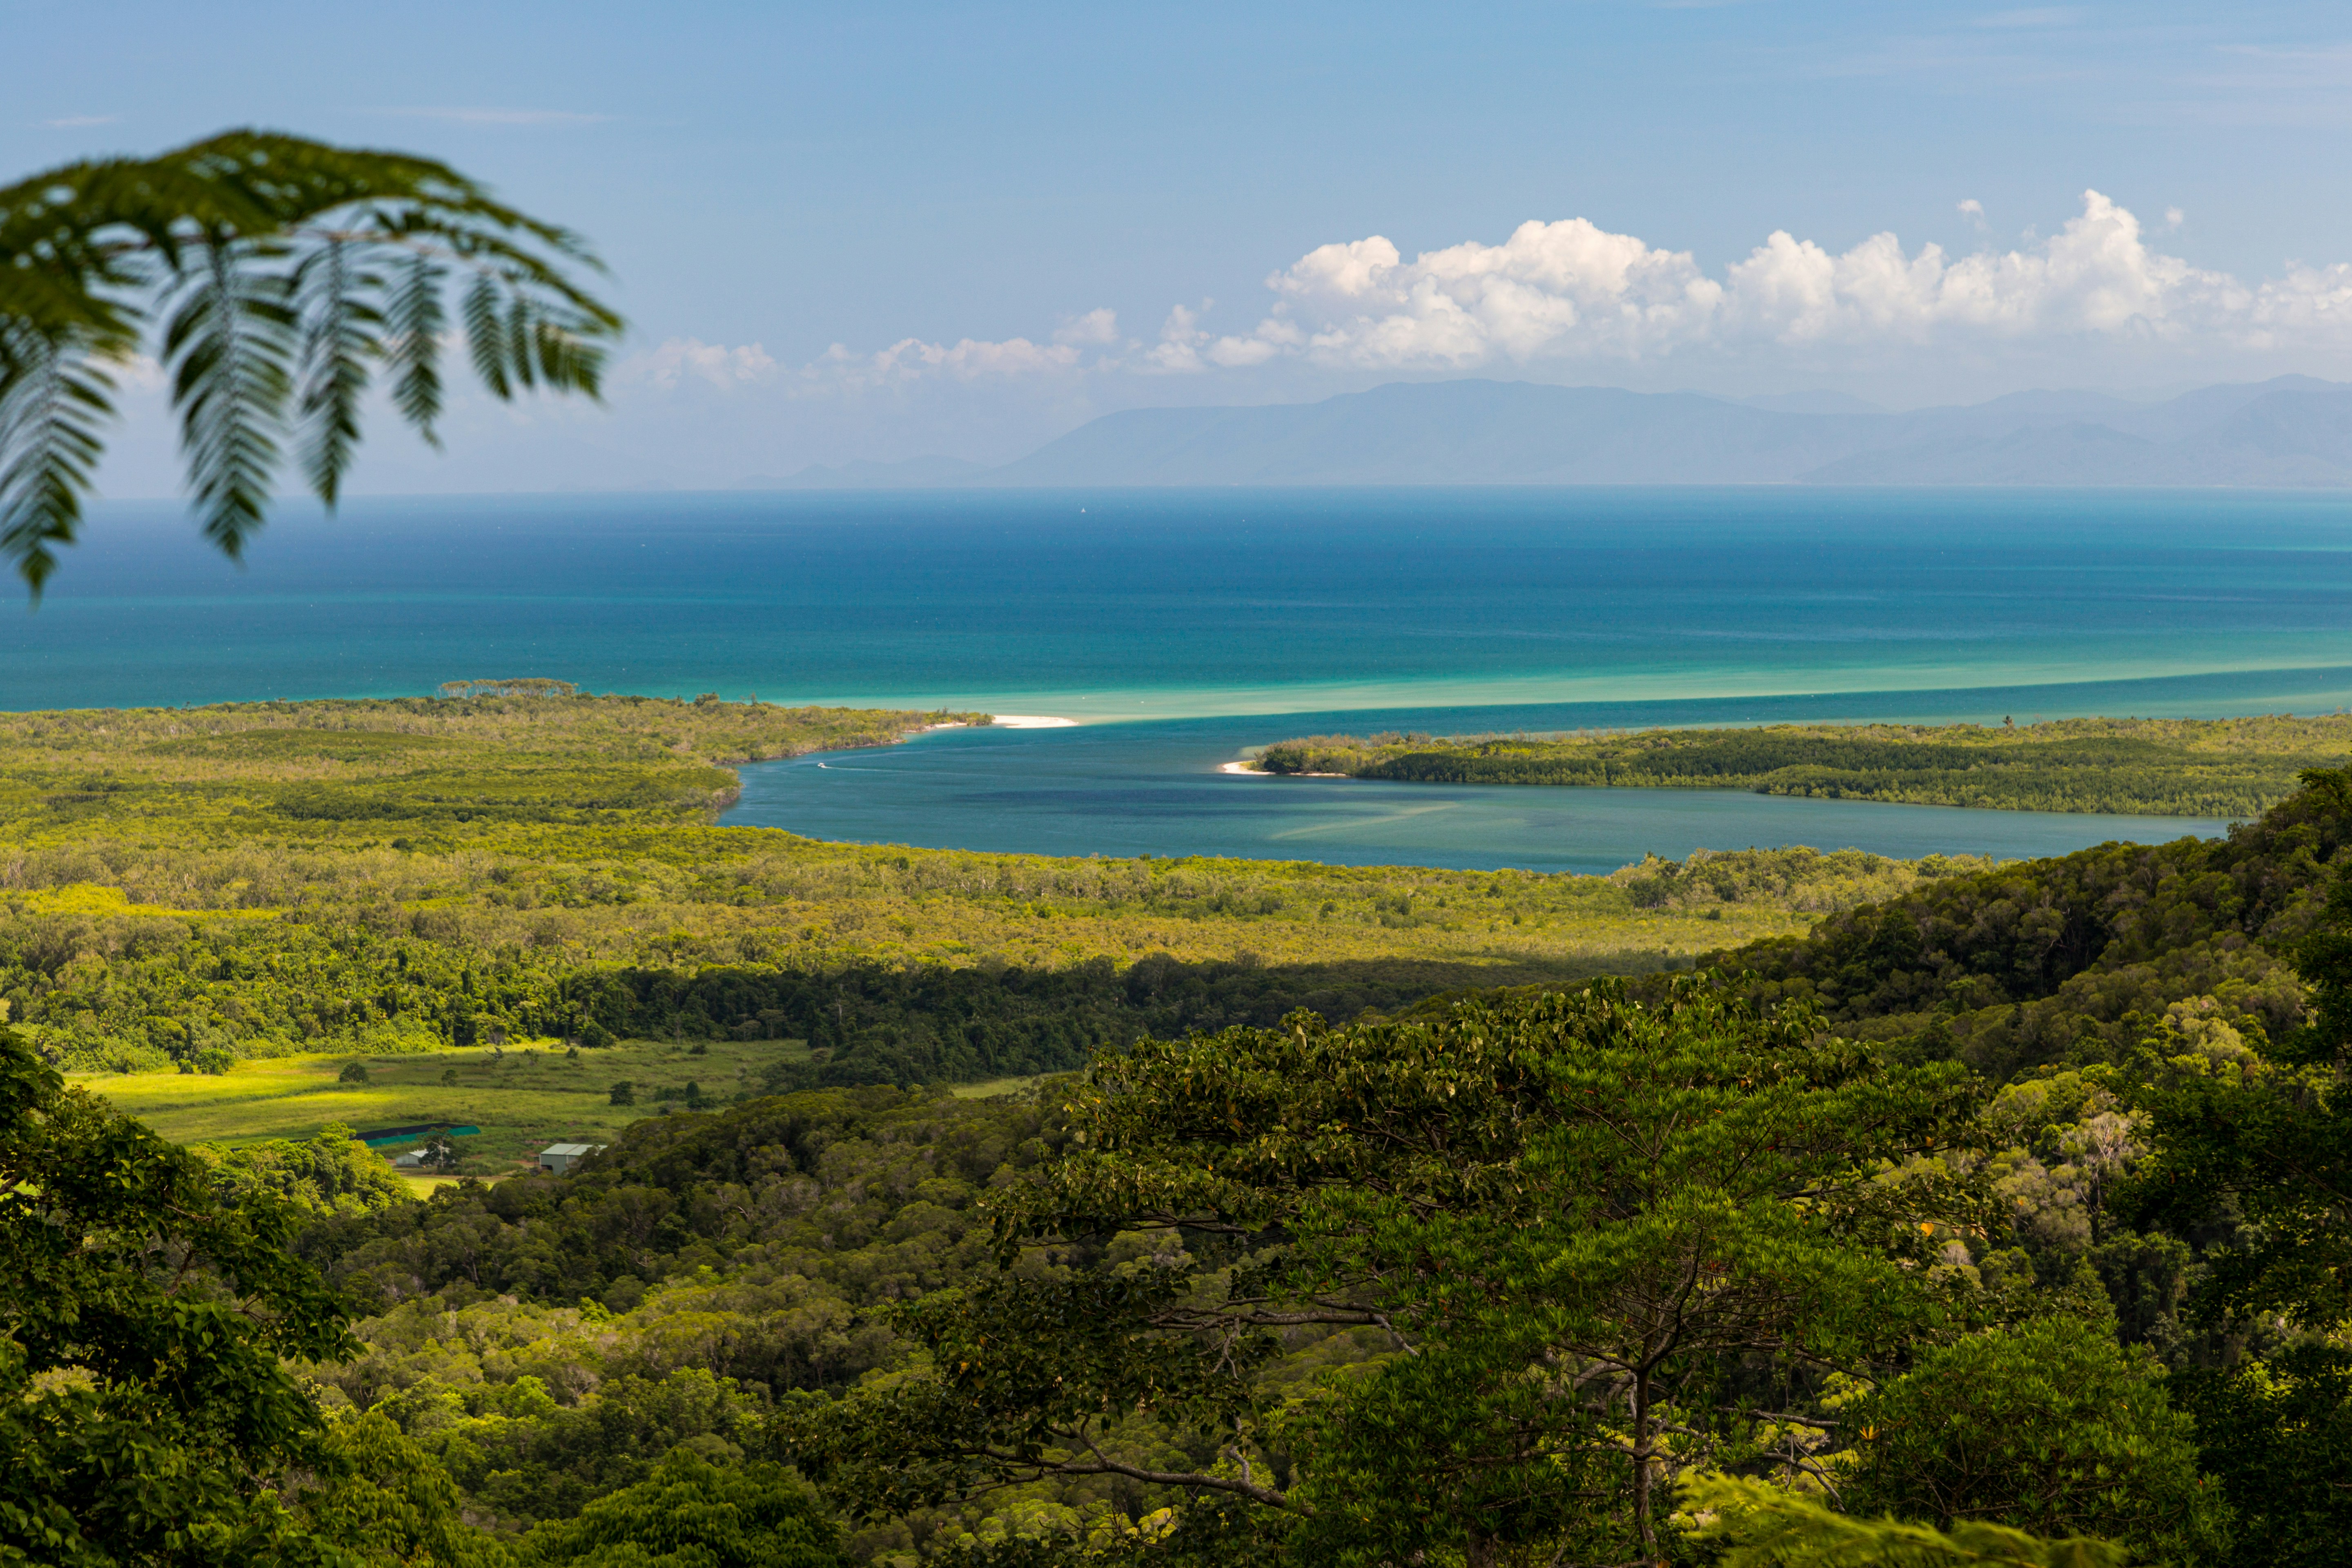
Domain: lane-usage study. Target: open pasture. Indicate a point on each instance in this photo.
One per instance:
(530, 1097)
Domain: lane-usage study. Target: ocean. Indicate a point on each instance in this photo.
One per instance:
(1182, 628)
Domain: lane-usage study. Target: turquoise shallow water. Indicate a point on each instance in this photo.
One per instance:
(1154, 789)
(1231, 619)
(1170, 604)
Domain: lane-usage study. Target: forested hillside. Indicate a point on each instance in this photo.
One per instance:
(2007, 1199)
(2179, 767)
(2073, 959)
(2010, 1201)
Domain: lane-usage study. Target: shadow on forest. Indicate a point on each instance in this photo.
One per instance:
(869, 1024)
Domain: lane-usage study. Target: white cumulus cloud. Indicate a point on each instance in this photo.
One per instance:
(1568, 297)
(1571, 290)
(1183, 348)
(1095, 328)
(678, 358)
(1551, 286)
(912, 360)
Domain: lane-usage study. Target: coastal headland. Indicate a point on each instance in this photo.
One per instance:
(2157, 767)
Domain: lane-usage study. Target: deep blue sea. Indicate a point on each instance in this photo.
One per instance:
(1182, 628)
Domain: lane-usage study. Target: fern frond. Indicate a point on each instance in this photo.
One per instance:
(54, 398)
(281, 267)
(486, 335)
(567, 360)
(1767, 1527)
(229, 347)
(340, 322)
(521, 344)
(412, 322)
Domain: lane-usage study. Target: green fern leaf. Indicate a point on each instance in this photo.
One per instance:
(412, 344)
(282, 269)
(339, 325)
(522, 343)
(229, 347)
(486, 335)
(53, 403)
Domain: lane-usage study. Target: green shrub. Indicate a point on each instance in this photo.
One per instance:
(2050, 1427)
(691, 1513)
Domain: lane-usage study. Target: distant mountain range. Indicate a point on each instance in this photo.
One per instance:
(2293, 431)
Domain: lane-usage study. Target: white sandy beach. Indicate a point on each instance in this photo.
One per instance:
(1248, 768)
(1032, 721)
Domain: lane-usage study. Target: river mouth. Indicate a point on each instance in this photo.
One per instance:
(1133, 789)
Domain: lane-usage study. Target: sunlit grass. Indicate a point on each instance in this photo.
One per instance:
(531, 1097)
(991, 1088)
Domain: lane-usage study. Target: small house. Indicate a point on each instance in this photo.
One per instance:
(559, 1158)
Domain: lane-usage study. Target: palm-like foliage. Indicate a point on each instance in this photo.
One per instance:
(276, 275)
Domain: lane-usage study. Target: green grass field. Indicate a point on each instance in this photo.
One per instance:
(989, 1088)
(523, 1102)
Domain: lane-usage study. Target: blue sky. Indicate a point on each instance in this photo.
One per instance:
(1156, 188)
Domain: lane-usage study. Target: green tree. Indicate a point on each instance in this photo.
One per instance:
(2269, 1143)
(624, 1093)
(2278, 1432)
(144, 1323)
(2050, 1426)
(372, 1497)
(1571, 1236)
(329, 1172)
(691, 1513)
(275, 277)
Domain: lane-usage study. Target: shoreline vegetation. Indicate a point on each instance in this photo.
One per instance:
(2235, 768)
(188, 896)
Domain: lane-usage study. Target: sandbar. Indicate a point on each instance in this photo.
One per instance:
(1248, 768)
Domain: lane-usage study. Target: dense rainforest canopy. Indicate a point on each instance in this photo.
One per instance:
(2007, 1208)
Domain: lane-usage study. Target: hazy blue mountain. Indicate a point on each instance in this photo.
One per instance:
(2294, 436)
(2292, 431)
(2192, 412)
(1453, 432)
(2075, 453)
(1816, 402)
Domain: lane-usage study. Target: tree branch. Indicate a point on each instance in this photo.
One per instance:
(1105, 1465)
